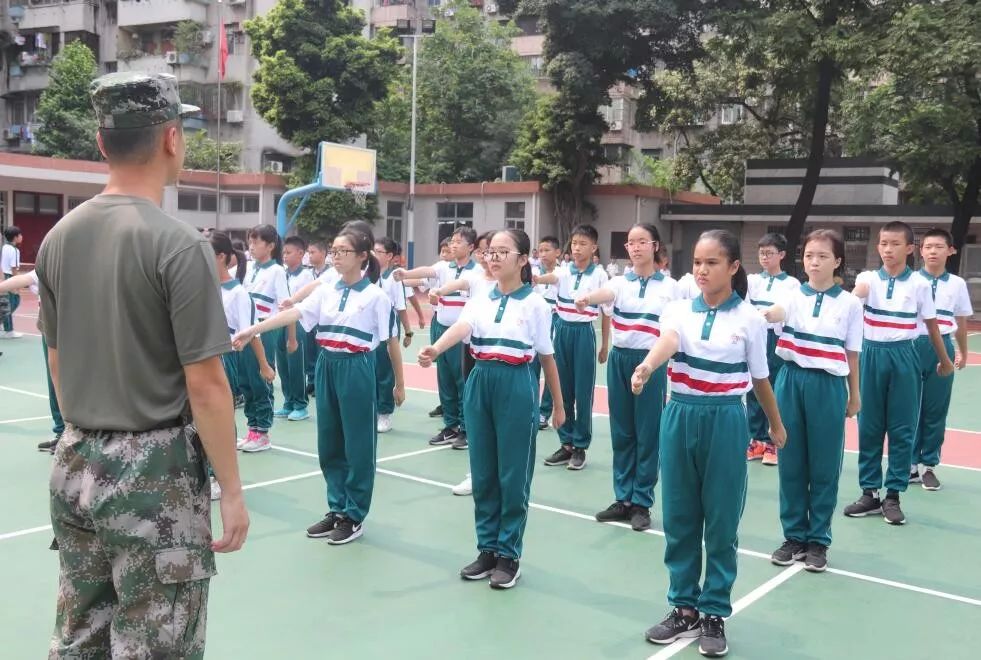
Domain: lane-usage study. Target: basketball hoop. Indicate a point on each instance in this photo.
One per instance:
(360, 192)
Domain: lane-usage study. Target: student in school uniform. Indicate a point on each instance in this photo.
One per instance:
(688, 288)
(265, 281)
(247, 369)
(575, 346)
(548, 253)
(953, 303)
(291, 346)
(385, 251)
(506, 328)
(352, 317)
(765, 290)
(638, 300)
(449, 368)
(816, 390)
(9, 264)
(317, 256)
(717, 347)
(891, 378)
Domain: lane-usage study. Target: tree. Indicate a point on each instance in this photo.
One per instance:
(201, 153)
(918, 105)
(67, 120)
(473, 92)
(319, 80)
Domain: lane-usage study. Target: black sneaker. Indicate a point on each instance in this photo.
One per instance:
(49, 445)
(867, 505)
(712, 642)
(311, 389)
(481, 567)
(817, 558)
(444, 437)
(676, 625)
(460, 441)
(930, 481)
(345, 531)
(560, 457)
(578, 459)
(323, 528)
(616, 512)
(891, 511)
(640, 518)
(436, 412)
(914, 475)
(542, 423)
(505, 574)
(788, 553)
(240, 401)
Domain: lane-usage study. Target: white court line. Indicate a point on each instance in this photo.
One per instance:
(24, 532)
(737, 607)
(24, 419)
(24, 392)
(384, 459)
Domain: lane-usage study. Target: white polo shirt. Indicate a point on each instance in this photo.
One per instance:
(396, 296)
(480, 286)
(547, 291)
(328, 276)
(299, 278)
(449, 307)
(819, 327)
(638, 306)
(720, 350)
(766, 290)
(9, 259)
(348, 319)
(688, 288)
(895, 304)
(239, 310)
(509, 328)
(950, 297)
(266, 284)
(574, 283)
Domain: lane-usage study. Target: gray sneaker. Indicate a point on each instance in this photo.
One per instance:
(891, 511)
(867, 505)
(788, 553)
(460, 441)
(676, 625)
(929, 479)
(712, 642)
(816, 560)
(578, 459)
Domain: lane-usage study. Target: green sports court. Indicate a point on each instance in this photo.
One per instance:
(588, 590)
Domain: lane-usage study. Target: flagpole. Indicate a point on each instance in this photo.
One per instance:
(218, 157)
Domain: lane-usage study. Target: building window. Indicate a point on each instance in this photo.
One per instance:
(235, 38)
(75, 202)
(537, 65)
(514, 224)
(514, 210)
(732, 114)
(450, 215)
(617, 241)
(209, 202)
(656, 154)
(857, 234)
(614, 114)
(393, 221)
(243, 203)
(49, 204)
(24, 202)
(187, 201)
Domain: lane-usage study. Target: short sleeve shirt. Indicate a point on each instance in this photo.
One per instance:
(819, 327)
(449, 307)
(951, 298)
(766, 290)
(637, 308)
(129, 296)
(239, 310)
(297, 279)
(510, 328)
(688, 287)
(574, 283)
(895, 304)
(347, 319)
(266, 284)
(9, 259)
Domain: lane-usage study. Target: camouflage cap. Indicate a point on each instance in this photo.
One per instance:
(137, 100)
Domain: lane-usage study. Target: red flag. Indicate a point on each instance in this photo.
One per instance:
(222, 51)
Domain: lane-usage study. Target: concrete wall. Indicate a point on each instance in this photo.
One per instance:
(842, 181)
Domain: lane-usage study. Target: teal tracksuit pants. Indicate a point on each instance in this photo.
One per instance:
(891, 386)
(575, 358)
(346, 430)
(310, 352)
(545, 409)
(502, 400)
(812, 404)
(231, 363)
(258, 393)
(759, 426)
(934, 403)
(59, 422)
(703, 492)
(8, 321)
(449, 379)
(292, 370)
(635, 423)
(385, 374)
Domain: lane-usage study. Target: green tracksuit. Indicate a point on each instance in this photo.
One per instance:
(346, 430)
(575, 358)
(384, 373)
(812, 404)
(257, 392)
(934, 403)
(545, 409)
(504, 398)
(703, 489)
(292, 370)
(59, 422)
(759, 426)
(231, 363)
(311, 350)
(634, 426)
(449, 379)
(890, 387)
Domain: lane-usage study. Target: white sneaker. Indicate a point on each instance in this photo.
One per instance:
(260, 442)
(246, 440)
(384, 423)
(465, 487)
(11, 335)
(215, 490)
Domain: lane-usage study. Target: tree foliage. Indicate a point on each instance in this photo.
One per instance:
(67, 120)
(201, 153)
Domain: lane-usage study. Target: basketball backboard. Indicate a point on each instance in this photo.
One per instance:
(343, 167)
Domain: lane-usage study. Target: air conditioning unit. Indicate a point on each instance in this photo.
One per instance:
(207, 37)
(616, 125)
(491, 8)
(170, 57)
(234, 117)
(275, 166)
(236, 2)
(449, 13)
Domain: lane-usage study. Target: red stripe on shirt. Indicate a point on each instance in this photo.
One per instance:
(510, 359)
(703, 385)
(452, 303)
(575, 310)
(810, 352)
(333, 343)
(638, 328)
(941, 321)
(889, 324)
(263, 308)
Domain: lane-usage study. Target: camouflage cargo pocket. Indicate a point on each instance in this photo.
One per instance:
(184, 574)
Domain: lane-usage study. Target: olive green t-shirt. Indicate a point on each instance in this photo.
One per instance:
(129, 295)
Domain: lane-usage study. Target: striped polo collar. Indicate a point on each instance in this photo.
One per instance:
(808, 291)
(360, 285)
(633, 277)
(902, 277)
(230, 284)
(575, 270)
(942, 278)
(518, 294)
(699, 305)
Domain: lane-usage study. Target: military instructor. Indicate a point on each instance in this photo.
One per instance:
(133, 320)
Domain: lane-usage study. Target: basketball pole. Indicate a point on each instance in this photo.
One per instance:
(411, 214)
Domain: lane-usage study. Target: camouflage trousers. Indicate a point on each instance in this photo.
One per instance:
(132, 517)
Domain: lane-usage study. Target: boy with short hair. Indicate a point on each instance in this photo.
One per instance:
(895, 303)
(291, 352)
(950, 295)
(766, 289)
(575, 345)
(9, 263)
(548, 255)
